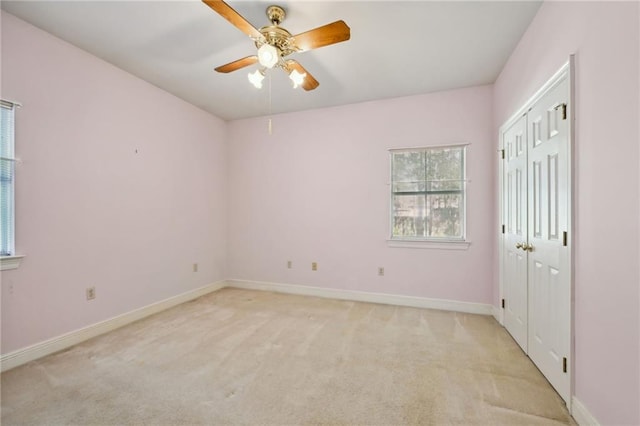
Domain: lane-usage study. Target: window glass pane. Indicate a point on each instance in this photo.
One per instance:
(6, 132)
(409, 214)
(408, 171)
(444, 164)
(445, 215)
(445, 185)
(6, 206)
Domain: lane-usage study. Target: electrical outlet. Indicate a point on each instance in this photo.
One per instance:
(289, 264)
(91, 293)
(314, 266)
(381, 271)
(195, 267)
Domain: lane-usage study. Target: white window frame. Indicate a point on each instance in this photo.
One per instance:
(9, 259)
(448, 243)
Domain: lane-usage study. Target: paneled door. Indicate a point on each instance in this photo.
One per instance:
(515, 217)
(536, 261)
(549, 264)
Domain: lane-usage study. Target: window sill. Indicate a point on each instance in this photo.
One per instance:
(424, 244)
(10, 262)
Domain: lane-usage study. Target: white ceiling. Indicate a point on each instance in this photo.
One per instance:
(397, 48)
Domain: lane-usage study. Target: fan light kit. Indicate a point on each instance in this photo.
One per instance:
(275, 43)
(297, 78)
(256, 78)
(268, 55)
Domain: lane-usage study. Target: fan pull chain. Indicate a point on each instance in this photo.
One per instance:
(270, 123)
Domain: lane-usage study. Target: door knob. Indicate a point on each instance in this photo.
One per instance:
(527, 247)
(518, 245)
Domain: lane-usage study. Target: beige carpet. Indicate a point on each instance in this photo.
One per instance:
(248, 357)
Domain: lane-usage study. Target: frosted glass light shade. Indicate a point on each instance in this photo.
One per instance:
(256, 78)
(297, 78)
(268, 55)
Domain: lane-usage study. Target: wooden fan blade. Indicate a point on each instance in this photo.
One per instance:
(228, 13)
(309, 82)
(323, 36)
(236, 65)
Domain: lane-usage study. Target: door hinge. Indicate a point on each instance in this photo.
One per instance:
(503, 229)
(564, 364)
(502, 303)
(565, 237)
(502, 153)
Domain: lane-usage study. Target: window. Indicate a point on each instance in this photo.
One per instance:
(428, 194)
(7, 169)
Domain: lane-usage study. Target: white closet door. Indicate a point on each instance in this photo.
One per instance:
(549, 283)
(515, 216)
(536, 211)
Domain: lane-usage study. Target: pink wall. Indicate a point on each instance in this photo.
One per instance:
(317, 190)
(90, 210)
(605, 38)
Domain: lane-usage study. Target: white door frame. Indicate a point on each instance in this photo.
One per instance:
(566, 71)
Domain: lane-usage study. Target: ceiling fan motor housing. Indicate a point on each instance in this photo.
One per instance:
(276, 14)
(278, 37)
(275, 35)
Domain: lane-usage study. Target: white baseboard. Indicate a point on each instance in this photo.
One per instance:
(497, 313)
(360, 296)
(56, 344)
(581, 415)
(30, 353)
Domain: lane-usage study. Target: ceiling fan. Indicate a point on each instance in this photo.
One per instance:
(275, 44)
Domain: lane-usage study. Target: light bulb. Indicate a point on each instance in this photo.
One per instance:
(297, 78)
(256, 78)
(268, 55)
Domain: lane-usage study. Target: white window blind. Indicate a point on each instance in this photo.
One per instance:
(7, 178)
(428, 194)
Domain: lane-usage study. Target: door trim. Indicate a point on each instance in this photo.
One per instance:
(567, 70)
